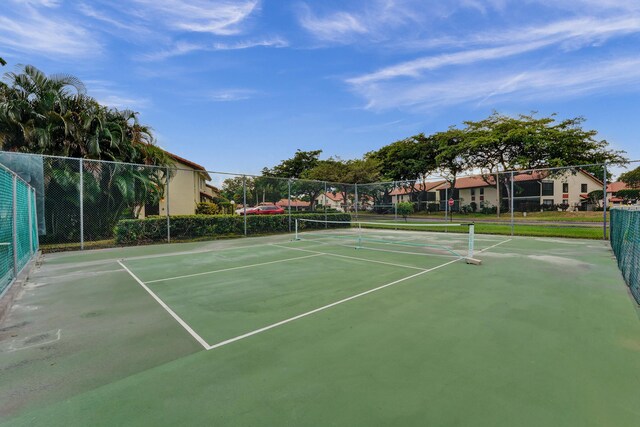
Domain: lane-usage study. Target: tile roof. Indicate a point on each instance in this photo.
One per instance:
(283, 203)
(428, 186)
(614, 187)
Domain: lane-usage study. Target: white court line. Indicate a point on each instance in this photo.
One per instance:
(168, 310)
(493, 246)
(234, 268)
(325, 307)
(291, 319)
(351, 257)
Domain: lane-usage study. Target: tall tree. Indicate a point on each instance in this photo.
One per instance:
(296, 167)
(52, 115)
(502, 143)
(631, 178)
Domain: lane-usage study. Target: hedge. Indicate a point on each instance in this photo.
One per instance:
(187, 227)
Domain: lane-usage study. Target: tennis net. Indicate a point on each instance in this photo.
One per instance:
(406, 238)
(625, 242)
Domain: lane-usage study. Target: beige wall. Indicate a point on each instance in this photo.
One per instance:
(325, 201)
(184, 192)
(488, 198)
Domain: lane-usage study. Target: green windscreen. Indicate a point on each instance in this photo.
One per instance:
(625, 242)
(20, 219)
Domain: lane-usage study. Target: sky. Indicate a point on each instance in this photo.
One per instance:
(240, 85)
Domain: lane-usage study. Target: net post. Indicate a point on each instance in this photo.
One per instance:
(604, 202)
(471, 240)
(296, 229)
(359, 245)
(81, 193)
(15, 225)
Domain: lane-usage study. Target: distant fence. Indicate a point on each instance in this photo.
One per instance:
(18, 229)
(625, 242)
(79, 202)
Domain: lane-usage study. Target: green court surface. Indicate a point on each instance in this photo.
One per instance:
(273, 331)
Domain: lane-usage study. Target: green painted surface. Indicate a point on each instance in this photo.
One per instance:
(543, 333)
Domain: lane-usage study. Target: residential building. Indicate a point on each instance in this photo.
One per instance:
(187, 187)
(532, 191)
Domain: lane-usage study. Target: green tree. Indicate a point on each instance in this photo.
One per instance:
(298, 167)
(503, 143)
(52, 115)
(405, 209)
(631, 178)
(294, 167)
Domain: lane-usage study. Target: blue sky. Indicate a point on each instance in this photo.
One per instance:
(239, 85)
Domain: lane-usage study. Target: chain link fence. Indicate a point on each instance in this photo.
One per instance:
(625, 242)
(85, 203)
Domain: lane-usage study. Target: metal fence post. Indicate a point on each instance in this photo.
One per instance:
(166, 193)
(356, 194)
(35, 215)
(324, 202)
(446, 203)
(81, 165)
(29, 208)
(511, 205)
(289, 202)
(244, 202)
(604, 203)
(395, 204)
(15, 225)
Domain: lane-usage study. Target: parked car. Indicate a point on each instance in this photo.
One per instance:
(262, 210)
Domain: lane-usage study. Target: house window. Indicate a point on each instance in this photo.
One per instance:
(547, 188)
(583, 188)
(473, 191)
(547, 202)
(481, 191)
(565, 187)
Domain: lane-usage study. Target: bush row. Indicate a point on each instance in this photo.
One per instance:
(186, 227)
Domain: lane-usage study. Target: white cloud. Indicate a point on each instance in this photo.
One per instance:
(227, 95)
(493, 87)
(202, 16)
(568, 34)
(107, 93)
(32, 31)
(334, 27)
(184, 48)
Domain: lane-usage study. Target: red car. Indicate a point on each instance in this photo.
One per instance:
(263, 210)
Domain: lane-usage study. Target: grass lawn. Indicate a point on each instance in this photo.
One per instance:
(580, 216)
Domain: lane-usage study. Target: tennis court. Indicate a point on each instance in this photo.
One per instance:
(341, 326)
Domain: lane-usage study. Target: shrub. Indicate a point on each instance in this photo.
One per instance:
(405, 209)
(188, 227)
(207, 208)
